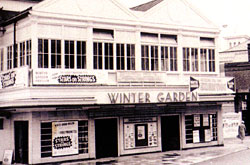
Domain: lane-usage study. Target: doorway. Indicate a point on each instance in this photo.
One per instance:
(170, 132)
(106, 138)
(21, 141)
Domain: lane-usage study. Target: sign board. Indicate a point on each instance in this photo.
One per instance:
(7, 157)
(14, 78)
(212, 85)
(208, 136)
(129, 136)
(68, 77)
(205, 120)
(64, 138)
(231, 122)
(152, 134)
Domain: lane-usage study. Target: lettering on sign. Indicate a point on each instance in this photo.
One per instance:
(145, 97)
(8, 79)
(77, 79)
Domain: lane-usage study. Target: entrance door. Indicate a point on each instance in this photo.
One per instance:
(21, 141)
(170, 133)
(106, 138)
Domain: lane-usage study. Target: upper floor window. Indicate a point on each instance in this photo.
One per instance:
(22, 53)
(186, 59)
(203, 60)
(28, 53)
(149, 57)
(15, 62)
(103, 53)
(211, 58)
(190, 59)
(69, 54)
(9, 57)
(55, 53)
(43, 53)
(164, 58)
(1, 59)
(173, 59)
(125, 57)
(81, 54)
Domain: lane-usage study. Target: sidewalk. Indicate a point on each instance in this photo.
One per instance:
(184, 157)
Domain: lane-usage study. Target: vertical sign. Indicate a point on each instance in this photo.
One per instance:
(64, 138)
(196, 136)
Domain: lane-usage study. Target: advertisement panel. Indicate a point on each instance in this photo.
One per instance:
(64, 138)
(68, 77)
(14, 78)
(212, 85)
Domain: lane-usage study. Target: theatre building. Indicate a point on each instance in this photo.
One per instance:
(91, 79)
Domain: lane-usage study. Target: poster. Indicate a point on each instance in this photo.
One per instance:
(196, 136)
(129, 136)
(64, 138)
(152, 134)
(208, 136)
(205, 120)
(141, 132)
(197, 121)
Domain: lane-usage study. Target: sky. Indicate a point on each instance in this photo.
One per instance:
(233, 13)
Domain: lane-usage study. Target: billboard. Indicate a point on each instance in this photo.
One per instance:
(64, 138)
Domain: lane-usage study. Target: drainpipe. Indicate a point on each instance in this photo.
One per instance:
(15, 47)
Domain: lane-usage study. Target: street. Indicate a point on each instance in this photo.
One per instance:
(240, 158)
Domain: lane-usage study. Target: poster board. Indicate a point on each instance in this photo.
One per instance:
(205, 120)
(129, 136)
(7, 157)
(64, 138)
(152, 134)
(208, 136)
(196, 136)
(197, 121)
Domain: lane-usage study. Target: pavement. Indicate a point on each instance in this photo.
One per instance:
(183, 157)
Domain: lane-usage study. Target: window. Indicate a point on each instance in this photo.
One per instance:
(97, 55)
(22, 53)
(211, 60)
(9, 57)
(164, 59)
(15, 64)
(55, 54)
(46, 138)
(173, 59)
(125, 56)
(43, 56)
(201, 128)
(120, 57)
(186, 58)
(1, 60)
(194, 59)
(145, 57)
(130, 57)
(154, 58)
(28, 53)
(109, 59)
(81, 54)
(106, 49)
(203, 60)
(69, 54)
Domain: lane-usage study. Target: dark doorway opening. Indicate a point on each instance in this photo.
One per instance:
(106, 138)
(170, 131)
(21, 141)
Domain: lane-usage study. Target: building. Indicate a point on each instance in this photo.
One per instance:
(92, 79)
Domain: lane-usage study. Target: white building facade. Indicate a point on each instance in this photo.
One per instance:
(92, 79)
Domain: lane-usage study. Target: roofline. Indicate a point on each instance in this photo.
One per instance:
(16, 18)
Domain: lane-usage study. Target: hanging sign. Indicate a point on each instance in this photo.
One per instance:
(212, 85)
(64, 138)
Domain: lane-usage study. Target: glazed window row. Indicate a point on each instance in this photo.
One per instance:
(70, 54)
